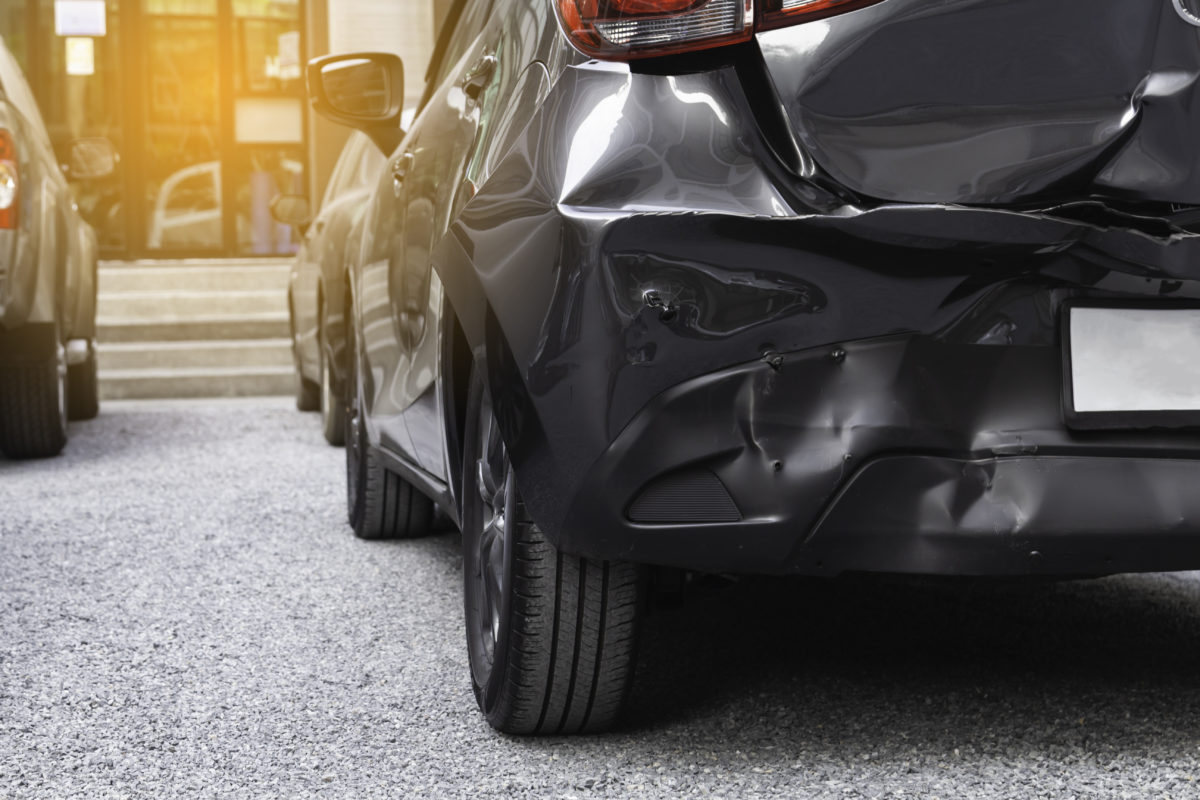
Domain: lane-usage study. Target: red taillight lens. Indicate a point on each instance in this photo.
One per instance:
(9, 182)
(623, 30)
(627, 29)
(653, 6)
(777, 13)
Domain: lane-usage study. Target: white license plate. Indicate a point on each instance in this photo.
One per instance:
(1135, 359)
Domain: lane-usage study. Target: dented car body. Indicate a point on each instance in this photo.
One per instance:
(802, 302)
(845, 306)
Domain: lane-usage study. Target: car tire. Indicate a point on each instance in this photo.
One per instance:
(333, 409)
(308, 393)
(551, 637)
(380, 503)
(83, 388)
(33, 408)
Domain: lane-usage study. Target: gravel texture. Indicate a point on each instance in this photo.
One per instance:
(184, 613)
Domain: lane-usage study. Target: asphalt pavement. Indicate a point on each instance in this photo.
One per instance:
(185, 613)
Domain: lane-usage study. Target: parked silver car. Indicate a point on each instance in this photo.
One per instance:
(315, 297)
(47, 278)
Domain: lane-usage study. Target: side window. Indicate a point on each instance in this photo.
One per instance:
(370, 162)
(343, 171)
(469, 25)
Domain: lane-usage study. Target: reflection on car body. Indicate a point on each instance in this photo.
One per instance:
(781, 291)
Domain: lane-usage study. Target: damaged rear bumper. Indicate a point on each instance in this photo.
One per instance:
(879, 392)
(903, 455)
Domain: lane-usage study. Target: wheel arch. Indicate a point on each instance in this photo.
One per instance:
(331, 319)
(457, 357)
(471, 334)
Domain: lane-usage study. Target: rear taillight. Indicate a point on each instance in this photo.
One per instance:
(628, 29)
(777, 13)
(623, 30)
(9, 182)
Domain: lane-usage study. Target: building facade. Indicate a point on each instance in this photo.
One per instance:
(204, 102)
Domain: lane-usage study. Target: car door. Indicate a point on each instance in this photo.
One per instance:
(427, 180)
(363, 165)
(306, 285)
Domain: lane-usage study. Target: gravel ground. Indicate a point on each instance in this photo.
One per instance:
(184, 613)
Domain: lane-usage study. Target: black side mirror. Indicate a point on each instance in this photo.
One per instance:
(291, 209)
(362, 90)
(91, 158)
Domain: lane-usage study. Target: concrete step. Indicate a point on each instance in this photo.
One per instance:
(195, 354)
(150, 306)
(265, 325)
(117, 277)
(128, 384)
(194, 328)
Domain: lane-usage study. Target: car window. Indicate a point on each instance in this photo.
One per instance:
(344, 169)
(468, 24)
(357, 167)
(367, 164)
(17, 90)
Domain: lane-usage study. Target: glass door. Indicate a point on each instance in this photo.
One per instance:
(267, 155)
(73, 64)
(224, 125)
(203, 102)
(181, 159)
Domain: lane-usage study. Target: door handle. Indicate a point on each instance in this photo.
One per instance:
(479, 76)
(400, 168)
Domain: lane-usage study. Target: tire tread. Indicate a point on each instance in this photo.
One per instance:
(390, 508)
(30, 424)
(572, 647)
(83, 388)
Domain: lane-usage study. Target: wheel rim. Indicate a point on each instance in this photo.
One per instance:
(61, 367)
(328, 400)
(488, 576)
(353, 430)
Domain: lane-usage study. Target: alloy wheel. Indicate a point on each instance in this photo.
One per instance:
(495, 511)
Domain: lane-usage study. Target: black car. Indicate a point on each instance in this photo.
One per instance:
(790, 286)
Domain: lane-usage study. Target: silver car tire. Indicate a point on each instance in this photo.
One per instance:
(33, 407)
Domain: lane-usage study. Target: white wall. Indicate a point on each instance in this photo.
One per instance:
(403, 27)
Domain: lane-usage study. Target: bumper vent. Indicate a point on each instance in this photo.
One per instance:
(689, 496)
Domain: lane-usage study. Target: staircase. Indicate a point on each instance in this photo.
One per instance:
(194, 329)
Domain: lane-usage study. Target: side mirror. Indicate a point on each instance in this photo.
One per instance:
(291, 209)
(362, 90)
(91, 158)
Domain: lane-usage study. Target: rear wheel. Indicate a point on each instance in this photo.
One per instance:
(83, 390)
(308, 393)
(380, 504)
(551, 637)
(333, 408)
(33, 407)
